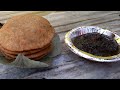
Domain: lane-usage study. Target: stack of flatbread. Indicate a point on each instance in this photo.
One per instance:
(28, 34)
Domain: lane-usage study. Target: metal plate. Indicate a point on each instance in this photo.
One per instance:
(90, 29)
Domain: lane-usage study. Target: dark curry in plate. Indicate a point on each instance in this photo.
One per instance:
(96, 44)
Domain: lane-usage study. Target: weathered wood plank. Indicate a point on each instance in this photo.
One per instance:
(66, 18)
(78, 68)
(94, 22)
(5, 15)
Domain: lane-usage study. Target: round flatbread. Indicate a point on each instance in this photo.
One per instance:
(32, 56)
(24, 52)
(26, 32)
(36, 59)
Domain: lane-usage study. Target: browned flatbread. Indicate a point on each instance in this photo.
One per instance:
(32, 56)
(24, 52)
(26, 32)
(36, 59)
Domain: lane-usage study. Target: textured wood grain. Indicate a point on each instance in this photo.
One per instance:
(5, 15)
(68, 65)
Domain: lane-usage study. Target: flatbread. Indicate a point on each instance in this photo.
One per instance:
(26, 32)
(24, 52)
(36, 59)
(32, 56)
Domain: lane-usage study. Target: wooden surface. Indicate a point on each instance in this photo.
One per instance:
(68, 65)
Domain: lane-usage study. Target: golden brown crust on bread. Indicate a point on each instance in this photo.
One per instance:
(24, 52)
(26, 32)
(37, 55)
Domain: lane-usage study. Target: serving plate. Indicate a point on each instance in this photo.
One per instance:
(90, 29)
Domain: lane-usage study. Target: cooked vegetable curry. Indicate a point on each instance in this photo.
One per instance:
(97, 44)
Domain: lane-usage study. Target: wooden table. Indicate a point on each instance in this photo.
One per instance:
(68, 65)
